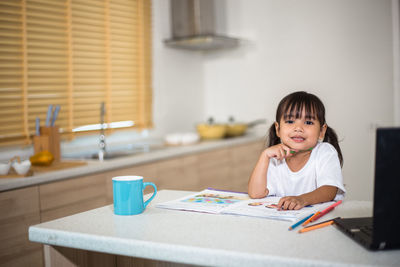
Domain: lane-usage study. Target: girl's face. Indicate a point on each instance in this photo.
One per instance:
(300, 133)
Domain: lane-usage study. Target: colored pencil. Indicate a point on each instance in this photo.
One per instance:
(333, 205)
(322, 222)
(325, 211)
(300, 222)
(292, 151)
(306, 229)
(309, 220)
(322, 214)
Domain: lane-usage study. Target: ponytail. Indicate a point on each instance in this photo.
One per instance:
(331, 137)
(273, 138)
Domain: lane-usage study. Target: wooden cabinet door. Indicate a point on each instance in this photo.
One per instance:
(244, 159)
(214, 169)
(178, 173)
(19, 209)
(190, 173)
(72, 196)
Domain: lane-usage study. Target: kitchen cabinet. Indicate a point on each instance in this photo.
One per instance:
(226, 168)
(178, 172)
(19, 209)
(72, 196)
(243, 161)
(214, 169)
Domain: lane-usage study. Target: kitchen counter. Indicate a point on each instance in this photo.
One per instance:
(94, 166)
(209, 239)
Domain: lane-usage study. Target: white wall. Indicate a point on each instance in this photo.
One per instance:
(340, 50)
(178, 90)
(396, 59)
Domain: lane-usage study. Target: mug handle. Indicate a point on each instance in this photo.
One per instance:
(152, 196)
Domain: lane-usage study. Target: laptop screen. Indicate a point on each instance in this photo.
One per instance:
(387, 187)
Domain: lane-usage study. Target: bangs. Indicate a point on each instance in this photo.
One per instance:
(299, 105)
(296, 110)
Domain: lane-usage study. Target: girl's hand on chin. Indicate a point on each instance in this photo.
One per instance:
(291, 203)
(279, 151)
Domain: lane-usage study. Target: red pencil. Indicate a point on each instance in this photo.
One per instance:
(325, 211)
(333, 205)
(322, 213)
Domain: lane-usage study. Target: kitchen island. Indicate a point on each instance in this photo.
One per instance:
(160, 236)
(51, 195)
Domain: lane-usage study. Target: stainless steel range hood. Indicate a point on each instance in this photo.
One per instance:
(193, 26)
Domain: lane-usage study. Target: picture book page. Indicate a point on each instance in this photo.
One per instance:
(267, 208)
(209, 201)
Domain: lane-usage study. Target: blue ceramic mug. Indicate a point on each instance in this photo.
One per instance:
(128, 194)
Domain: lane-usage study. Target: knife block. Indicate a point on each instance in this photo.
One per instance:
(49, 139)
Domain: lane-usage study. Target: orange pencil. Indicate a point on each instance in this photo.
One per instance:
(316, 226)
(310, 219)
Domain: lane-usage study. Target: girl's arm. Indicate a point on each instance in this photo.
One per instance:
(257, 186)
(321, 194)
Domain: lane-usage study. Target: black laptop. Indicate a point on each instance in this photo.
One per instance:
(382, 231)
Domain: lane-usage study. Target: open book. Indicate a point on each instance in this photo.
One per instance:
(226, 202)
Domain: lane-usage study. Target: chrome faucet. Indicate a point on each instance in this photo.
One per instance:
(102, 141)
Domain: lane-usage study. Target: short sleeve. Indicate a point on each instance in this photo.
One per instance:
(329, 171)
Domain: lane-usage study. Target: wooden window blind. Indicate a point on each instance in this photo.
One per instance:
(76, 54)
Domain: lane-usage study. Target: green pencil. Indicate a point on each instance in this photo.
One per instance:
(292, 151)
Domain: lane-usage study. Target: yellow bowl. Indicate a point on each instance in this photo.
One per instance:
(236, 129)
(211, 131)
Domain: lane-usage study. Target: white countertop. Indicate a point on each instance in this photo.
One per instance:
(211, 240)
(95, 166)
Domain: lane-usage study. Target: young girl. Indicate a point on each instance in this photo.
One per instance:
(302, 163)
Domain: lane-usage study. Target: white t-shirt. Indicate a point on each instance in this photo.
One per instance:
(322, 168)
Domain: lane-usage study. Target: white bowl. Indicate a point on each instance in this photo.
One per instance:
(5, 168)
(173, 139)
(182, 138)
(23, 167)
(190, 138)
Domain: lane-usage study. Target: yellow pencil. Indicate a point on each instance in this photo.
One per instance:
(310, 219)
(316, 226)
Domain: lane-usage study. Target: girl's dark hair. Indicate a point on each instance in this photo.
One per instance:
(293, 105)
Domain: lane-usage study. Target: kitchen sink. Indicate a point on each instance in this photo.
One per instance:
(115, 152)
